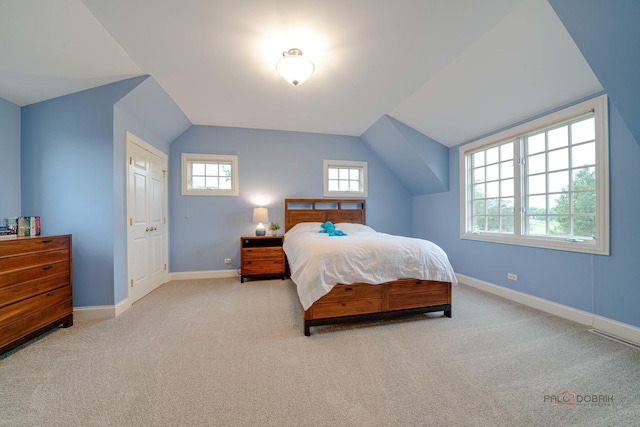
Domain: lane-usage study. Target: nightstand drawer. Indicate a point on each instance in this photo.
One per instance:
(262, 253)
(270, 266)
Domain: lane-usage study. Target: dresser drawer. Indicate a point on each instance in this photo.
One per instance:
(352, 292)
(11, 331)
(262, 253)
(263, 266)
(33, 244)
(24, 290)
(419, 299)
(25, 308)
(415, 286)
(18, 262)
(335, 309)
(33, 273)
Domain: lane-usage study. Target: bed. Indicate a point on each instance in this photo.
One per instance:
(364, 275)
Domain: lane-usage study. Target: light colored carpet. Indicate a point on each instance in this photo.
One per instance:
(221, 353)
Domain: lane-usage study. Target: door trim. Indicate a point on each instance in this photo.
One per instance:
(133, 139)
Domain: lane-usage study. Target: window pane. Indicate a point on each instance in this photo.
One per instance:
(478, 159)
(493, 206)
(537, 184)
(584, 154)
(536, 164)
(225, 169)
(559, 159)
(478, 191)
(537, 224)
(506, 169)
(333, 185)
(197, 168)
(559, 203)
(506, 188)
(535, 143)
(507, 224)
(584, 226)
(537, 205)
(493, 155)
(343, 185)
(478, 175)
(506, 206)
(583, 131)
(584, 202)
(225, 183)
(558, 181)
(211, 169)
(559, 225)
(332, 173)
(479, 223)
(506, 151)
(343, 173)
(493, 189)
(493, 172)
(584, 179)
(354, 174)
(354, 186)
(478, 207)
(558, 137)
(493, 223)
(198, 182)
(211, 182)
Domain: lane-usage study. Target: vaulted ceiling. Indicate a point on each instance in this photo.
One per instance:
(453, 70)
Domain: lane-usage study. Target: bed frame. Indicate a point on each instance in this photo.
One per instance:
(362, 301)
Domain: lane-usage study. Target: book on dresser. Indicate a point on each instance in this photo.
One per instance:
(35, 287)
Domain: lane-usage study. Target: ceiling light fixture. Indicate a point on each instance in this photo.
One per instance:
(294, 68)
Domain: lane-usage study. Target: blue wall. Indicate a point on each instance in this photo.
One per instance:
(273, 165)
(67, 179)
(9, 159)
(563, 277)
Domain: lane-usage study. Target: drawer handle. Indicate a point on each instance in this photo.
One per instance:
(47, 241)
(348, 289)
(52, 293)
(47, 267)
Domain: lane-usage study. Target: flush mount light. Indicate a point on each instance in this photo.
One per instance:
(294, 68)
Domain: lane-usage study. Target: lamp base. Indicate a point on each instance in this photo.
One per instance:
(261, 232)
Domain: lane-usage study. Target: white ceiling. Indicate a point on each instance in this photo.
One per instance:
(452, 69)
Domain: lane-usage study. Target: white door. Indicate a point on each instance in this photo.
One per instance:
(146, 211)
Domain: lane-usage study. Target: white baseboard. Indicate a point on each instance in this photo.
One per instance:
(210, 274)
(95, 312)
(613, 327)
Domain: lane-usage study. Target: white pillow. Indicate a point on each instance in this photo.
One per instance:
(303, 227)
(351, 228)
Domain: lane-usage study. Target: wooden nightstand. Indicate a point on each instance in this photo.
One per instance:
(261, 256)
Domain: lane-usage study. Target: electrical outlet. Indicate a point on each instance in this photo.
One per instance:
(228, 261)
(512, 276)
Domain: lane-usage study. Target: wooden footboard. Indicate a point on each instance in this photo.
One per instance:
(361, 301)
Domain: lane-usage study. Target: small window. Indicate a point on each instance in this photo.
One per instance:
(343, 178)
(209, 175)
(541, 184)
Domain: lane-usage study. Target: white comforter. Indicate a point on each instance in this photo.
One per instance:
(318, 261)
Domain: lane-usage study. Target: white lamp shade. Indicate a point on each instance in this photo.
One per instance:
(294, 68)
(260, 215)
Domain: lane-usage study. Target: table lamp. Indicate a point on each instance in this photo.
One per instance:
(260, 216)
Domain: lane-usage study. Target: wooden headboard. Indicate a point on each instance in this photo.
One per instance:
(323, 210)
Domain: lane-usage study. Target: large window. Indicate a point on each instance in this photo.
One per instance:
(209, 175)
(344, 178)
(543, 183)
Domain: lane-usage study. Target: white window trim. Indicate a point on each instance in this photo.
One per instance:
(344, 163)
(191, 157)
(599, 246)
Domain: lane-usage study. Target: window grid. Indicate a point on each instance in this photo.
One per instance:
(559, 169)
(493, 194)
(210, 176)
(560, 182)
(345, 179)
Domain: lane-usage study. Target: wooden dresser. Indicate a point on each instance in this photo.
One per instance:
(261, 256)
(35, 288)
